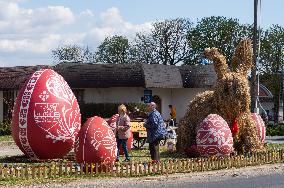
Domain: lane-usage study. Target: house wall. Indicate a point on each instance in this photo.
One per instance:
(1, 106)
(177, 97)
(182, 97)
(113, 95)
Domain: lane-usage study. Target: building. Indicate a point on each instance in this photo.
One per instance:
(118, 83)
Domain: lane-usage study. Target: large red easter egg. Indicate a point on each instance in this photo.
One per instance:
(214, 137)
(129, 144)
(46, 116)
(96, 142)
(260, 125)
(112, 121)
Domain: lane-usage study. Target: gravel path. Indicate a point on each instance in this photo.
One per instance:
(222, 178)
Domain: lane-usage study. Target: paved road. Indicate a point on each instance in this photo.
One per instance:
(275, 139)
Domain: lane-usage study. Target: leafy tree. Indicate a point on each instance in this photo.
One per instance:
(72, 53)
(272, 50)
(272, 62)
(143, 49)
(115, 50)
(165, 44)
(223, 33)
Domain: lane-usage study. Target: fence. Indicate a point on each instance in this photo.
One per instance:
(70, 169)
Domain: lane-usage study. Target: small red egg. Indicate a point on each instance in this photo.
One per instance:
(214, 137)
(96, 142)
(260, 125)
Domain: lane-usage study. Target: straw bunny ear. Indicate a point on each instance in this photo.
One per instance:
(242, 59)
(220, 64)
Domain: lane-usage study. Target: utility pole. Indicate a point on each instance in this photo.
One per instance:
(254, 84)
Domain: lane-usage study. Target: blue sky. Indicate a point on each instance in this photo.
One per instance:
(30, 29)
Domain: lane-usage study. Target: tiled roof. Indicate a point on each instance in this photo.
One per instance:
(162, 76)
(14, 77)
(198, 76)
(84, 75)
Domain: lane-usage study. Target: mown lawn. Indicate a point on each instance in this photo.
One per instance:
(275, 146)
(6, 138)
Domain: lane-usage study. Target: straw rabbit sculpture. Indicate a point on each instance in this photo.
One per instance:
(230, 99)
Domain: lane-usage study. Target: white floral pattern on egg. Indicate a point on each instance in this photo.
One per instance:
(214, 137)
(46, 116)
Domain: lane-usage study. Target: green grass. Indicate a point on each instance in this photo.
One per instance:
(275, 146)
(6, 138)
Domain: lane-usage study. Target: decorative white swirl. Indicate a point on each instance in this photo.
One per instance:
(69, 119)
(58, 87)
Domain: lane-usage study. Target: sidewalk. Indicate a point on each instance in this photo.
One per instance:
(275, 139)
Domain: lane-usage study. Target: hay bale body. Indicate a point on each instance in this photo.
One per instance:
(230, 99)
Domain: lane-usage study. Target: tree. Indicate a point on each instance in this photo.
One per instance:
(223, 33)
(165, 44)
(272, 62)
(73, 53)
(115, 50)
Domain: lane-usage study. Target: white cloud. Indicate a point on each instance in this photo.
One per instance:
(112, 23)
(14, 19)
(87, 13)
(35, 32)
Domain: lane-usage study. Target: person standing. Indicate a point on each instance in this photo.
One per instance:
(156, 130)
(123, 131)
(173, 113)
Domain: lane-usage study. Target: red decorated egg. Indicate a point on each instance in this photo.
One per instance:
(129, 144)
(112, 121)
(214, 137)
(260, 125)
(96, 142)
(46, 117)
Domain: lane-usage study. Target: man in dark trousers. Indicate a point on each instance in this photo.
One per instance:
(156, 131)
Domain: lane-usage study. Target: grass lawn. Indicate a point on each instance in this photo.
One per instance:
(6, 138)
(275, 146)
(141, 155)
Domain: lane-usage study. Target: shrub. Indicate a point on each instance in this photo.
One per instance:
(5, 127)
(275, 130)
(106, 110)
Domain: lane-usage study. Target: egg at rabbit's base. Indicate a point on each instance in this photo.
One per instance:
(214, 137)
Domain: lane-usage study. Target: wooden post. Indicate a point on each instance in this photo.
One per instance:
(81, 169)
(97, 168)
(26, 172)
(140, 169)
(136, 168)
(149, 168)
(145, 168)
(44, 171)
(117, 170)
(17, 172)
(33, 171)
(111, 170)
(127, 169)
(121, 170)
